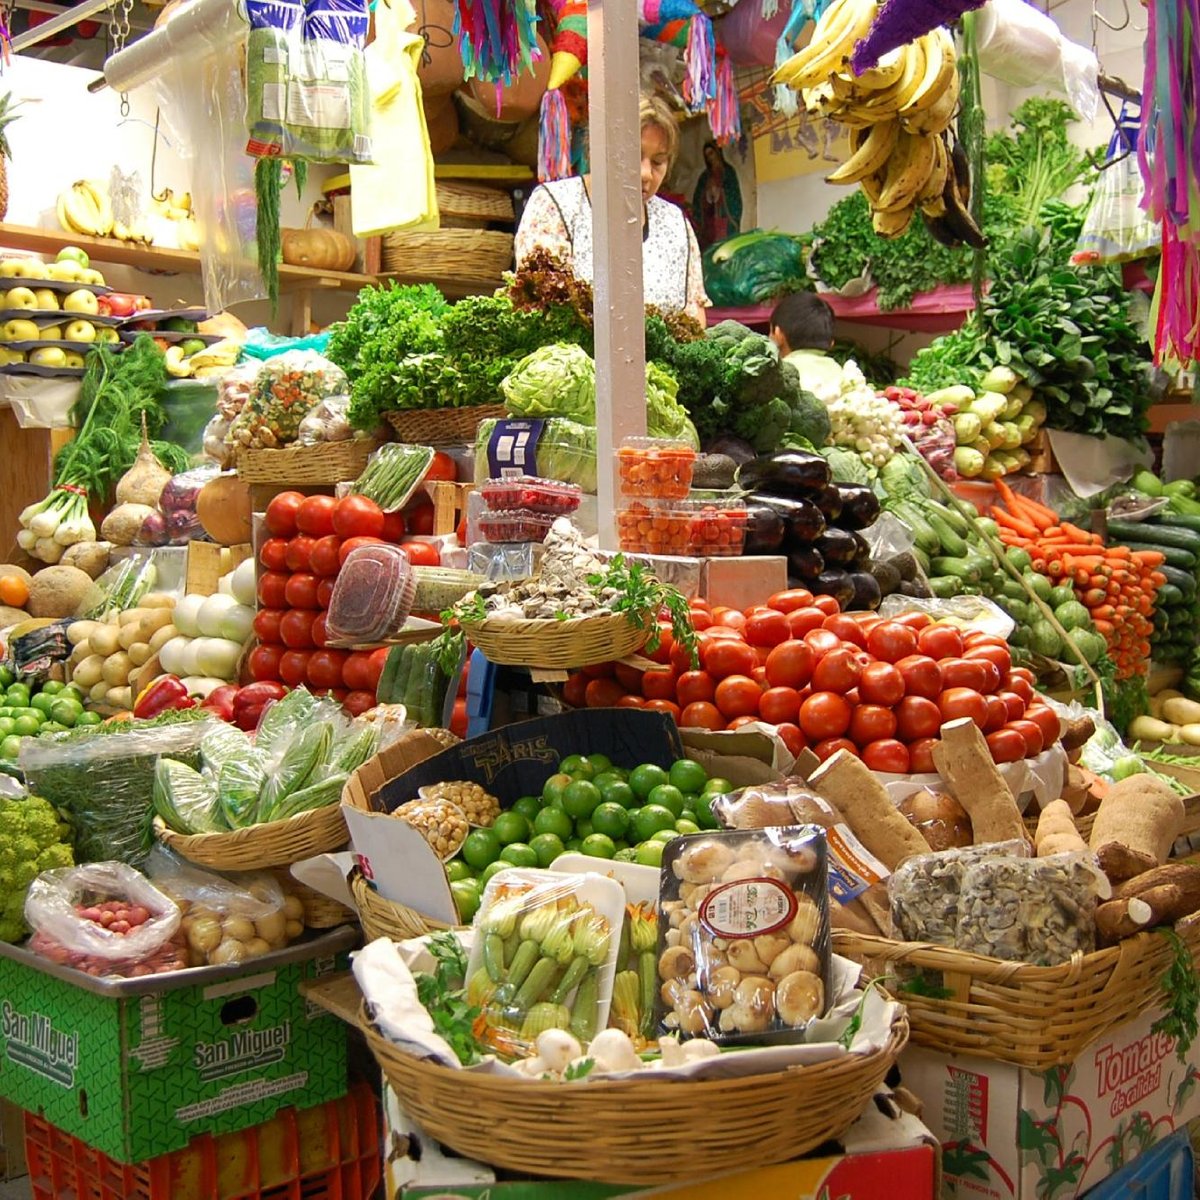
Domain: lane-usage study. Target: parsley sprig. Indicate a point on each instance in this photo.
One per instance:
(1181, 989)
(642, 597)
(444, 998)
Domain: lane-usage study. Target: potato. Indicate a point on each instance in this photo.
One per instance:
(256, 947)
(140, 653)
(293, 908)
(131, 616)
(79, 653)
(162, 637)
(239, 928)
(151, 622)
(116, 669)
(91, 671)
(80, 631)
(294, 929)
(105, 640)
(230, 950)
(203, 934)
(127, 636)
(98, 692)
(119, 697)
(272, 927)
(158, 600)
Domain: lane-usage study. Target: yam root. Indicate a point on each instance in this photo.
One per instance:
(876, 903)
(1075, 789)
(1164, 903)
(847, 783)
(854, 918)
(1075, 732)
(1117, 919)
(1135, 826)
(965, 763)
(1056, 832)
(939, 819)
(1183, 875)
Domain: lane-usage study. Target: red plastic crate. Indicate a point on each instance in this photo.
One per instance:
(329, 1152)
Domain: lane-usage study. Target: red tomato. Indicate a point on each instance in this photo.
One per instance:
(695, 687)
(959, 702)
(358, 516)
(964, 673)
(1046, 719)
(920, 755)
(940, 641)
(701, 618)
(357, 703)
(351, 544)
(659, 685)
(914, 620)
(324, 593)
(295, 628)
(263, 662)
(299, 552)
(356, 671)
(319, 635)
(726, 656)
(630, 678)
(422, 554)
(1014, 705)
(730, 618)
(977, 637)
(281, 514)
(917, 717)
(664, 706)
(459, 719)
(700, 714)
(767, 628)
(871, 723)
(881, 683)
(315, 516)
(837, 671)
(828, 747)
(997, 714)
(681, 657)
(323, 560)
(630, 701)
(922, 676)
(603, 693)
(325, 668)
(738, 722)
(666, 644)
(789, 601)
(827, 604)
(822, 642)
(293, 667)
(890, 641)
(271, 585)
(1019, 685)
(442, 467)
(792, 736)
(301, 591)
(825, 715)
(801, 620)
(999, 655)
(759, 675)
(266, 625)
(737, 696)
(1006, 745)
(1031, 735)
(887, 755)
(574, 688)
(418, 516)
(273, 554)
(779, 705)
(393, 528)
(1024, 673)
(846, 628)
(790, 664)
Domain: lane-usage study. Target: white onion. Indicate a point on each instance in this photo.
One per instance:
(243, 584)
(187, 613)
(171, 654)
(217, 657)
(212, 612)
(237, 624)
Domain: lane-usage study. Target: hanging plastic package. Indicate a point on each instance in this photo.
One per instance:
(1116, 228)
(306, 91)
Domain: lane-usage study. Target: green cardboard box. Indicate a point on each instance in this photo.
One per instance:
(138, 1067)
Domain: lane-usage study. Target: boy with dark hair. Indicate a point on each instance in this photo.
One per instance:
(802, 328)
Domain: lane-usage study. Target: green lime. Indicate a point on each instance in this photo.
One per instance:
(547, 847)
(584, 828)
(647, 821)
(66, 712)
(649, 854)
(520, 854)
(456, 869)
(10, 747)
(600, 763)
(511, 827)
(665, 835)
(668, 796)
(682, 826)
(577, 767)
(7, 725)
(597, 845)
(52, 727)
(528, 807)
(625, 854)
(552, 790)
(52, 687)
(717, 787)
(466, 898)
(6, 677)
(27, 726)
(6, 710)
(610, 819)
(689, 814)
(580, 798)
(481, 848)
(74, 691)
(42, 702)
(574, 844)
(89, 718)
(704, 813)
(555, 821)
(688, 776)
(492, 869)
(17, 694)
(645, 778)
(617, 791)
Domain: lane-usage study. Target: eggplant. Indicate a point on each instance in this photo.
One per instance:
(868, 595)
(806, 562)
(860, 506)
(802, 517)
(786, 473)
(837, 546)
(765, 529)
(829, 501)
(836, 583)
(862, 553)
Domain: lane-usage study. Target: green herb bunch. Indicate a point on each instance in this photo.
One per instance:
(444, 998)
(643, 597)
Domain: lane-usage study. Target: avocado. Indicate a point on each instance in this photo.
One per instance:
(713, 471)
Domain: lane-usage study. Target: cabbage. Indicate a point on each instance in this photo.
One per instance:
(665, 416)
(902, 475)
(848, 467)
(553, 381)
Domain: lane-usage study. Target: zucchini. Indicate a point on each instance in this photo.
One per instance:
(945, 586)
(951, 540)
(402, 676)
(963, 569)
(923, 535)
(1173, 555)
(954, 518)
(1156, 535)
(1183, 580)
(387, 680)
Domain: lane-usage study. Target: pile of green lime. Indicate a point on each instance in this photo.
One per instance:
(591, 807)
(28, 710)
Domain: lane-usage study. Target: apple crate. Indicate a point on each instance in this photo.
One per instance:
(327, 1152)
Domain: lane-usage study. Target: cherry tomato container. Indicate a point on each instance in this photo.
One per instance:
(655, 468)
(515, 525)
(692, 529)
(530, 494)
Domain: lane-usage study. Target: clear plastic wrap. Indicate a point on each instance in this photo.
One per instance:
(938, 818)
(103, 918)
(235, 388)
(530, 492)
(215, 444)
(328, 422)
(655, 468)
(372, 597)
(285, 390)
(744, 935)
(506, 526)
(552, 448)
(122, 586)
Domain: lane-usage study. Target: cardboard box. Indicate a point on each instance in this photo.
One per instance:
(138, 1067)
(1164, 1172)
(741, 582)
(12, 1142)
(1008, 1133)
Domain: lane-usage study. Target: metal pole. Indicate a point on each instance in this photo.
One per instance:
(64, 20)
(615, 153)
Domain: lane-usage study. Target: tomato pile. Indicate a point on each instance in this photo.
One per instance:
(311, 537)
(833, 681)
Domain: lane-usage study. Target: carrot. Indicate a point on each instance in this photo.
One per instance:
(1103, 612)
(1103, 627)
(1068, 547)
(1148, 558)
(1094, 597)
(1082, 535)
(1025, 528)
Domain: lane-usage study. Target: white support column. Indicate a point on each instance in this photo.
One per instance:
(615, 145)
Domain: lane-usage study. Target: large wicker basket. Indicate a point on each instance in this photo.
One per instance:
(257, 847)
(387, 919)
(1036, 1017)
(442, 426)
(300, 466)
(649, 1131)
(473, 255)
(576, 642)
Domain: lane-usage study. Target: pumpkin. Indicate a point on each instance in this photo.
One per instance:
(321, 249)
(223, 509)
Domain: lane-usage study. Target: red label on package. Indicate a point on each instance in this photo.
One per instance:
(747, 908)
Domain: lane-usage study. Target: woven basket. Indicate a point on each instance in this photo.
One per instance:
(634, 1130)
(472, 202)
(577, 642)
(300, 466)
(320, 911)
(442, 426)
(1036, 1017)
(382, 918)
(257, 847)
(471, 255)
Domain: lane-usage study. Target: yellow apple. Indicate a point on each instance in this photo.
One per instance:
(47, 300)
(48, 356)
(106, 334)
(66, 270)
(93, 277)
(12, 268)
(21, 297)
(21, 331)
(80, 331)
(81, 301)
(73, 254)
(51, 333)
(73, 359)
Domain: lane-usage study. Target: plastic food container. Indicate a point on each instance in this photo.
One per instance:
(655, 468)
(695, 530)
(532, 494)
(515, 525)
(372, 597)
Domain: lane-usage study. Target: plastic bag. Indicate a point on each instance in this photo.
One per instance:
(285, 390)
(328, 422)
(554, 448)
(744, 934)
(177, 523)
(122, 586)
(261, 343)
(966, 612)
(214, 443)
(101, 915)
(755, 269)
(235, 389)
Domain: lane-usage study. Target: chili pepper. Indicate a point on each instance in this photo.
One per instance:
(163, 695)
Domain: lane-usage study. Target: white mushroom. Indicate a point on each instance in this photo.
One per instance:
(672, 1052)
(611, 1050)
(672, 990)
(769, 946)
(676, 962)
(533, 1067)
(695, 1016)
(719, 990)
(755, 994)
(556, 1048)
(702, 862)
(797, 957)
(800, 997)
(743, 956)
(805, 926)
(699, 1048)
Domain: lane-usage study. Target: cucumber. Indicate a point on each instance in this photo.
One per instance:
(1156, 534)
(1173, 555)
(1168, 596)
(402, 676)
(387, 680)
(964, 570)
(1183, 580)
(1181, 521)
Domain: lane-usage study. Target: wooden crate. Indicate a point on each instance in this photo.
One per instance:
(207, 562)
(1042, 460)
(449, 504)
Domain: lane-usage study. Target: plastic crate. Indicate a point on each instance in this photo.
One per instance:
(329, 1152)
(1164, 1172)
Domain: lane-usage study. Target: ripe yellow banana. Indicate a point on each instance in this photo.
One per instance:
(820, 101)
(892, 224)
(907, 170)
(842, 24)
(938, 115)
(885, 72)
(872, 149)
(940, 68)
(888, 101)
(83, 208)
(931, 193)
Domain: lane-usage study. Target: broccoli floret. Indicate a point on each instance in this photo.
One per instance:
(57, 855)
(809, 419)
(12, 931)
(764, 425)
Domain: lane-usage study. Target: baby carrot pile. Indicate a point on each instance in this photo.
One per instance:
(1117, 585)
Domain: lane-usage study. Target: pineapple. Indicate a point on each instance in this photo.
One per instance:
(8, 114)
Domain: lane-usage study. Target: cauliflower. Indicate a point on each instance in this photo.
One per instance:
(57, 855)
(32, 840)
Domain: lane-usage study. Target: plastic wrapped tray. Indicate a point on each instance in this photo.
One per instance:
(515, 525)
(372, 597)
(695, 530)
(532, 494)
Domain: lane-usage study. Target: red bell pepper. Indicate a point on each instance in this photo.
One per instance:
(250, 701)
(220, 701)
(163, 695)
